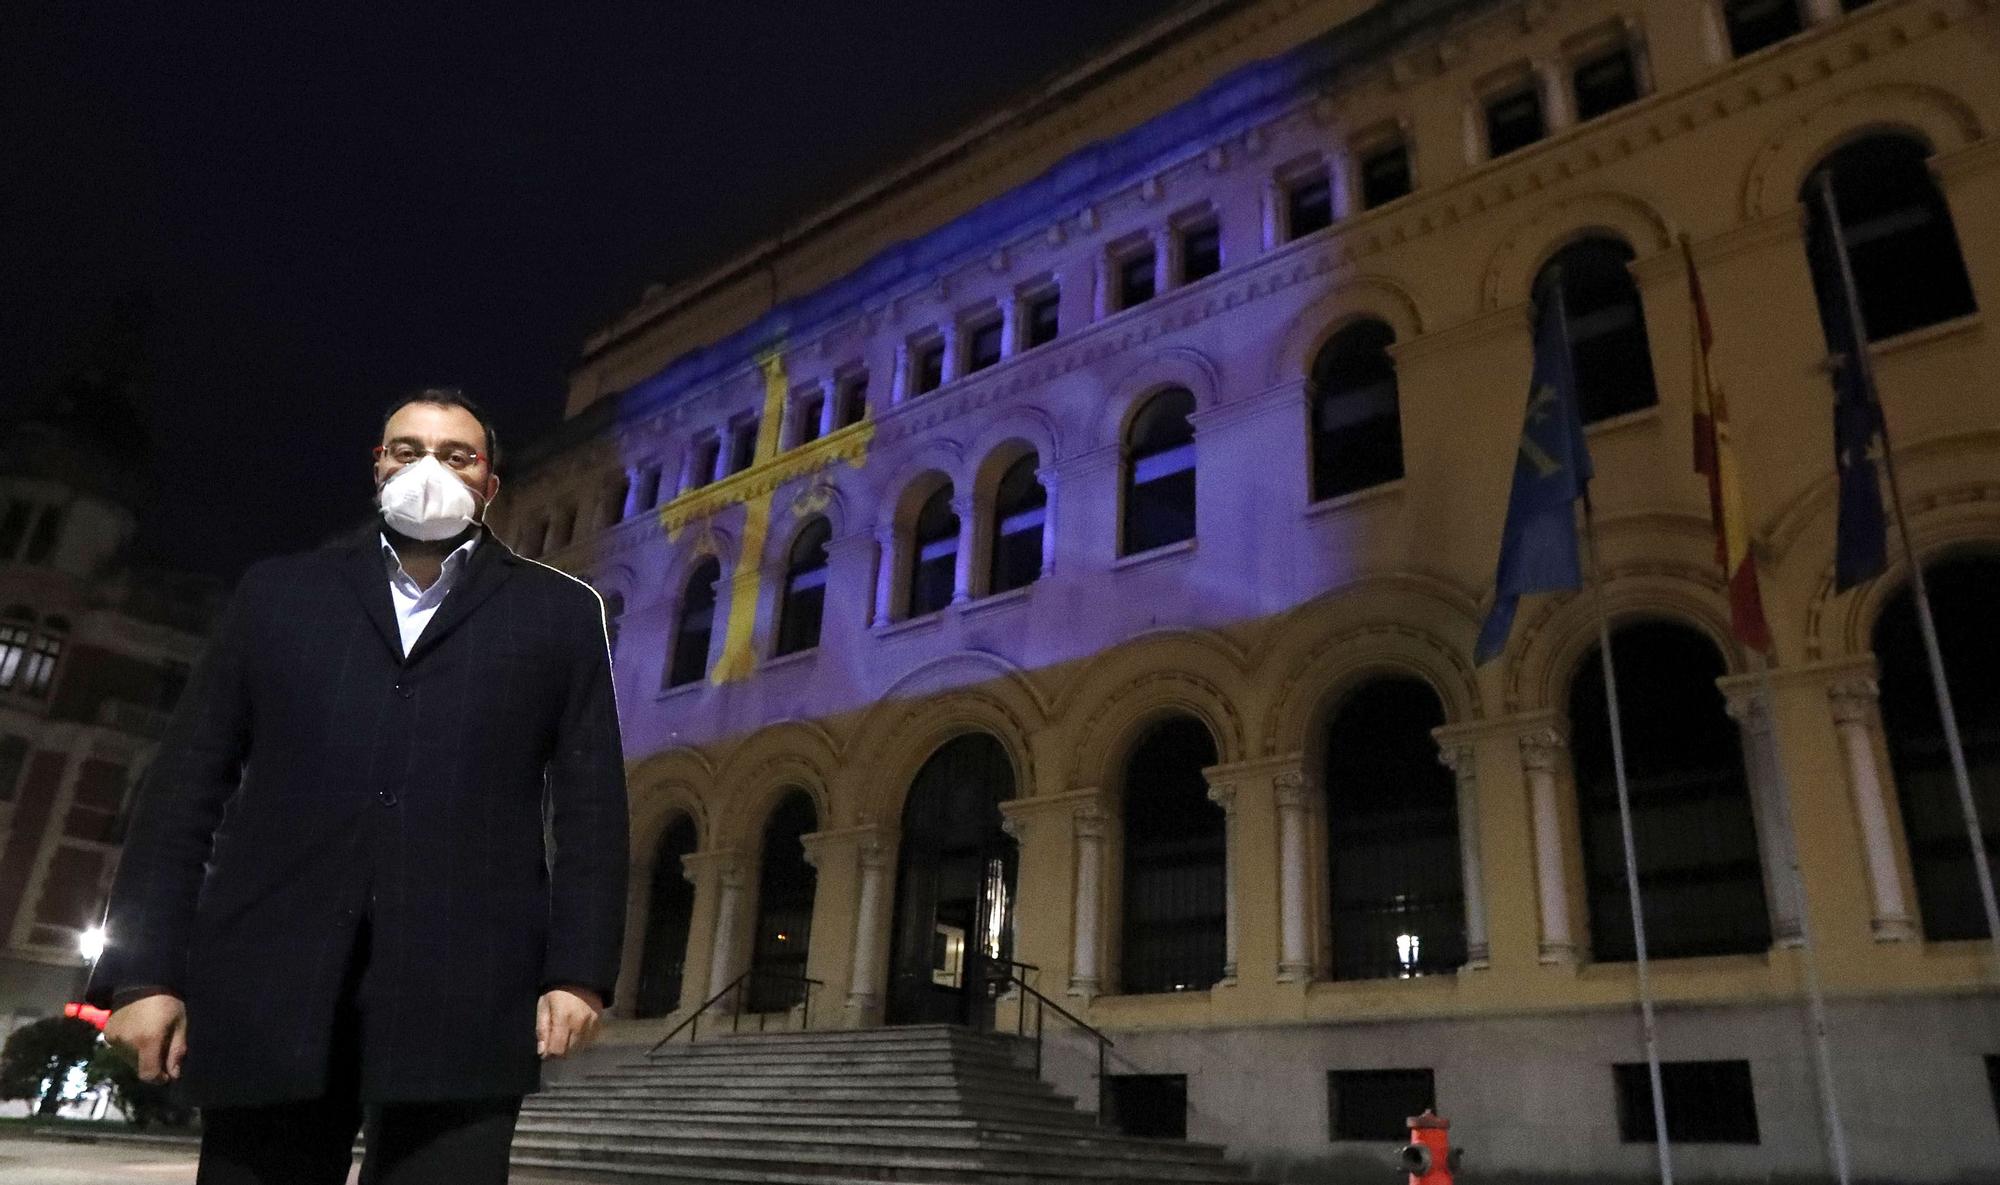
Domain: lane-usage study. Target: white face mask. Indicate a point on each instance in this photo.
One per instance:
(424, 501)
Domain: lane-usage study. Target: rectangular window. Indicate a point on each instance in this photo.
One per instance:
(1308, 205)
(1135, 279)
(1385, 174)
(982, 345)
(701, 470)
(1606, 83)
(14, 756)
(39, 671)
(1514, 119)
(809, 411)
(1201, 251)
(1374, 1105)
(1707, 1102)
(14, 637)
(853, 399)
(927, 367)
(1755, 24)
(743, 446)
(1043, 319)
(1152, 1106)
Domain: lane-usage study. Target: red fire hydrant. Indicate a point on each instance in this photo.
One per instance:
(1428, 1156)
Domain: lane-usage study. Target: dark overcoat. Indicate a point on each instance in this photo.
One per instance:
(313, 774)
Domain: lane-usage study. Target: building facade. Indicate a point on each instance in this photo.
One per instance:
(94, 650)
(1066, 554)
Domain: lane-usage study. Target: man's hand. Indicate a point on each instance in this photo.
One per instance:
(566, 1020)
(154, 1029)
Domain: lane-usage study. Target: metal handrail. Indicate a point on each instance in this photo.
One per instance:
(1042, 1004)
(693, 1019)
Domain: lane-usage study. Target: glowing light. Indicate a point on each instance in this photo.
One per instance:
(1407, 946)
(90, 943)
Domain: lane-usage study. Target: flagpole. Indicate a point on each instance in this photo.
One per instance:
(1815, 997)
(1646, 1019)
(1926, 625)
(1721, 462)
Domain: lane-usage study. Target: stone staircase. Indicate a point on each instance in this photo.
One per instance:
(927, 1105)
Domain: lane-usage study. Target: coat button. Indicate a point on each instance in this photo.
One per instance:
(388, 797)
(406, 691)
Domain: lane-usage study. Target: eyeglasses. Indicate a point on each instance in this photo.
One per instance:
(453, 456)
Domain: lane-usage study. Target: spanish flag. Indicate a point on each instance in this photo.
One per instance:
(1715, 459)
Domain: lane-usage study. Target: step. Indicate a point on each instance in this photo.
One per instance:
(884, 1076)
(934, 1135)
(900, 1164)
(921, 1055)
(1052, 1115)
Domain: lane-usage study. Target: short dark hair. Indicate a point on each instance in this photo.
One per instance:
(451, 397)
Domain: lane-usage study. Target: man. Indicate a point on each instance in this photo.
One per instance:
(335, 902)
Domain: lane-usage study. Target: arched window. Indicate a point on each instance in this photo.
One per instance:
(1961, 592)
(1357, 429)
(1392, 836)
(1606, 326)
(17, 630)
(955, 881)
(804, 603)
(933, 554)
(1159, 473)
(1908, 271)
(1175, 863)
(785, 888)
(668, 915)
(1700, 880)
(697, 624)
(1020, 506)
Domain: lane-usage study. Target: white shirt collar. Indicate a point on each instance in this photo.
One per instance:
(458, 558)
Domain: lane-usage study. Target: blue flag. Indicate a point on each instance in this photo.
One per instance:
(1538, 550)
(1860, 531)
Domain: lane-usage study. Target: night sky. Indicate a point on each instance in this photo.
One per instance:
(325, 204)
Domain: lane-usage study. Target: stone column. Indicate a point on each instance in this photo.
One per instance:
(1294, 881)
(1854, 709)
(1818, 12)
(1047, 476)
(722, 966)
(885, 575)
(1558, 112)
(1166, 261)
(1769, 811)
(1459, 757)
(1540, 751)
(1010, 325)
(966, 506)
(1223, 794)
(829, 406)
(633, 501)
(873, 854)
(1085, 978)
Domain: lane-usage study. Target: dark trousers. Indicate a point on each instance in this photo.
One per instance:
(461, 1142)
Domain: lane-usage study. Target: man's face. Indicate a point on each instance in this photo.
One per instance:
(439, 428)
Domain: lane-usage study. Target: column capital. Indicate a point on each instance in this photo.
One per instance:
(1853, 699)
(1090, 820)
(1290, 790)
(723, 862)
(1255, 768)
(1223, 794)
(1746, 704)
(1542, 747)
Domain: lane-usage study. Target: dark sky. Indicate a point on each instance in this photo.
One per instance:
(327, 203)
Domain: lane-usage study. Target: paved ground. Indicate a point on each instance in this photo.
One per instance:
(42, 1161)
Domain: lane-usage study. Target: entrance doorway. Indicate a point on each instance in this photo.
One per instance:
(670, 909)
(954, 887)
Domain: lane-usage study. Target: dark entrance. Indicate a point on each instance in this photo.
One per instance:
(954, 887)
(670, 908)
(785, 889)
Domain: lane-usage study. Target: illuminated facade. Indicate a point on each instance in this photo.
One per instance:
(1078, 562)
(94, 651)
